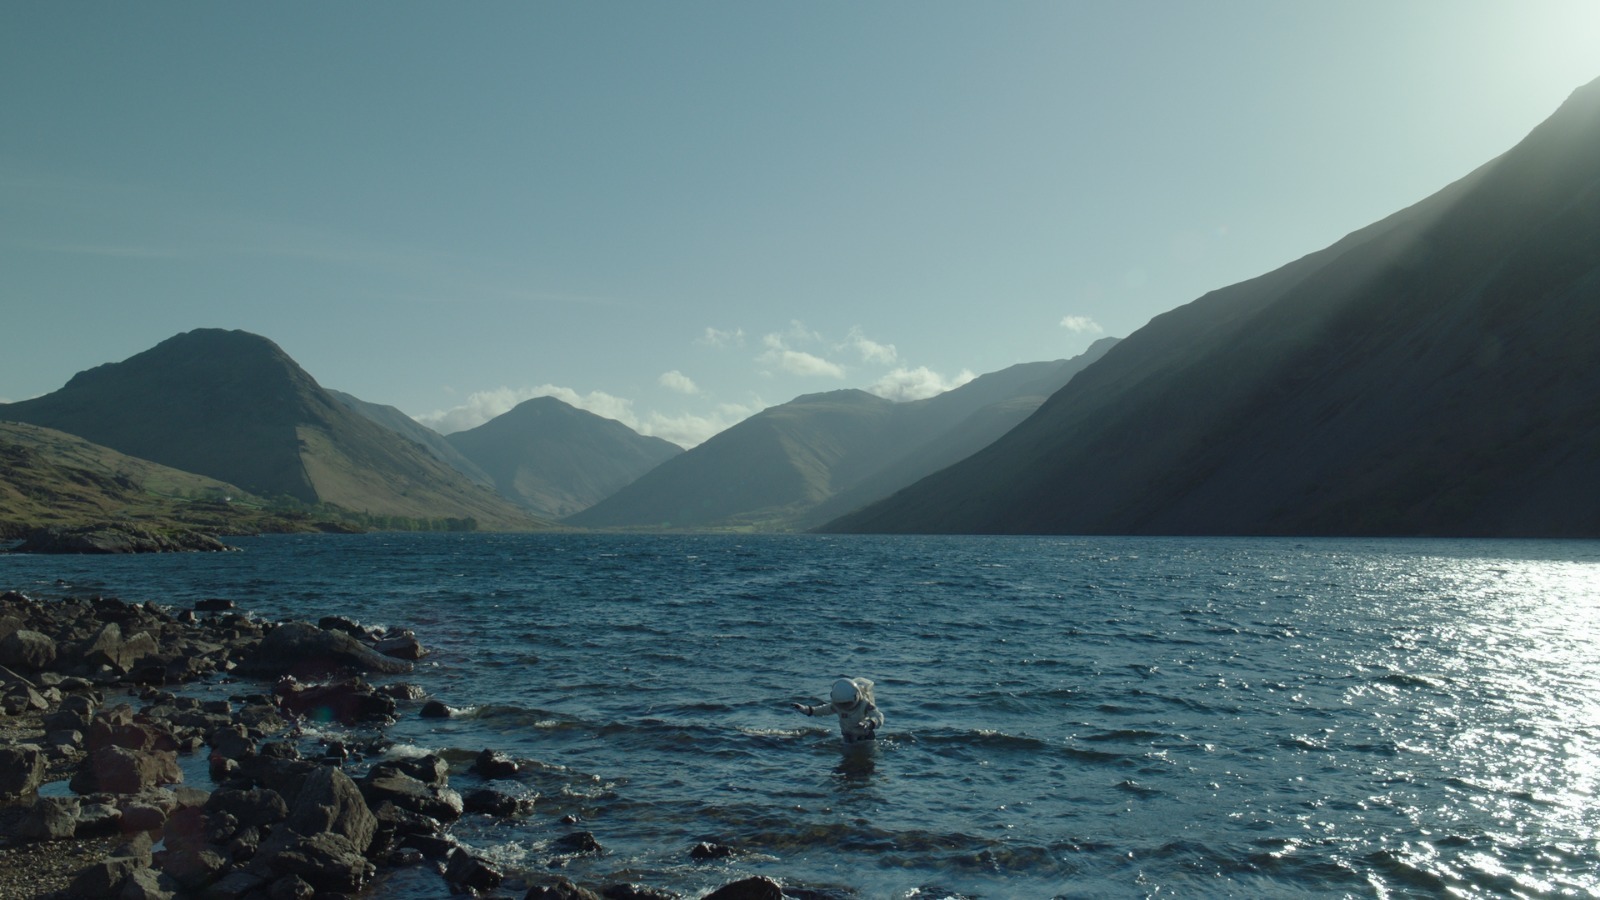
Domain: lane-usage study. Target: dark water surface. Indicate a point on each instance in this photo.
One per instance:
(1065, 716)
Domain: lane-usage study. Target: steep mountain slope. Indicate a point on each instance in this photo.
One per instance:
(776, 469)
(1432, 373)
(397, 421)
(554, 460)
(235, 407)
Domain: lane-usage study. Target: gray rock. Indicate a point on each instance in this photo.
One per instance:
(329, 802)
(578, 842)
(495, 803)
(101, 879)
(50, 819)
(148, 884)
(467, 871)
(121, 654)
(22, 769)
(300, 648)
(27, 650)
(493, 764)
(757, 888)
(410, 793)
(328, 862)
(256, 806)
(118, 770)
(194, 867)
(98, 819)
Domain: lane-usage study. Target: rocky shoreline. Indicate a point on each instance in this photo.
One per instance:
(87, 696)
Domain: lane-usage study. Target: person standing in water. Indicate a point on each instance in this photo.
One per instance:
(851, 699)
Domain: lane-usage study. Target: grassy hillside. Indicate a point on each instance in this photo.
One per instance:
(48, 477)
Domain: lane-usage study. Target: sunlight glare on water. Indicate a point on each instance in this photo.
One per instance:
(1065, 716)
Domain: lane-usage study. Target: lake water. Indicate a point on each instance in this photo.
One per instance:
(1105, 717)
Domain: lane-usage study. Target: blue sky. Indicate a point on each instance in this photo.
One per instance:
(677, 214)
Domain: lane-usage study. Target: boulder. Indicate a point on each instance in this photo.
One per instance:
(463, 870)
(578, 842)
(50, 819)
(401, 645)
(194, 867)
(27, 650)
(412, 794)
(118, 770)
(327, 862)
(110, 648)
(98, 820)
(709, 850)
(22, 770)
(303, 649)
(103, 878)
(435, 709)
(757, 888)
(291, 887)
(256, 806)
(493, 764)
(22, 698)
(494, 803)
(329, 802)
(148, 884)
(346, 702)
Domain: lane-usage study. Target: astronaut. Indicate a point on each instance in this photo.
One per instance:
(851, 699)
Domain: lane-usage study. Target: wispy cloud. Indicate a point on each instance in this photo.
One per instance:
(783, 357)
(1081, 325)
(870, 351)
(716, 337)
(917, 384)
(677, 381)
(799, 362)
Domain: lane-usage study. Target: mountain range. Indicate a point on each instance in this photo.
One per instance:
(1431, 374)
(788, 466)
(553, 459)
(234, 407)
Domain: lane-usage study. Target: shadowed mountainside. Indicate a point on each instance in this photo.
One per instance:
(233, 406)
(554, 460)
(1432, 373)
(777, 469)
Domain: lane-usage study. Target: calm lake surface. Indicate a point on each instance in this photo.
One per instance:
(1108, 717)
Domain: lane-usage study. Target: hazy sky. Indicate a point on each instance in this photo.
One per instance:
(679, 213)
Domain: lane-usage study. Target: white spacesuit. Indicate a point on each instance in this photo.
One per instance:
(851, 699)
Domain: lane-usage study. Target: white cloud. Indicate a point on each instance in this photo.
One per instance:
(716, 337)
(1081, 325)
(481, 406)
(689, 430)
(871, 351)
(798, 362)
(917, 384)
(677, 381)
